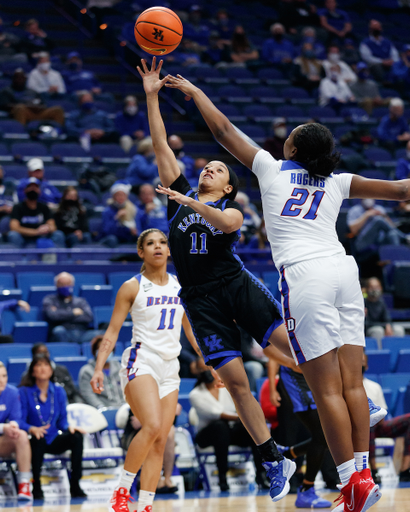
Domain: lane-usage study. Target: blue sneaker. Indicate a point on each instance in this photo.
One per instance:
(376, 413)
(279, 474)
(309, 499)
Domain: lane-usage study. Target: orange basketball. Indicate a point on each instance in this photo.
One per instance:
(158, 30)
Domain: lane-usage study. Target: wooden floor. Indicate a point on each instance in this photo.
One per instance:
(393, 500)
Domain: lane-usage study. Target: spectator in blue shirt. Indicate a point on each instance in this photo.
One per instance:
(378, 52)
(118, 218)
(278, 50)
(78, 79)
(143, 167)
(90, 121)
(131, 123)
(196, 29)
(44, 416)
(177, 145)
(309, 36)
(50, 195)
(403, 165)
(400, 71)
(12, 438)
(152, 214)
(335, 21)
(393, 128)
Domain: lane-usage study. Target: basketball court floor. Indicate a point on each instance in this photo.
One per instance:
(393, 500)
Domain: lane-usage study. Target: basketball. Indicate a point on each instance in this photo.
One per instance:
(158, 30)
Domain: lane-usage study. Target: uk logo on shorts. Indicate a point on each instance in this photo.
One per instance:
(290, 324)
(213, 343)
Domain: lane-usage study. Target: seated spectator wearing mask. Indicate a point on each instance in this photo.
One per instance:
(68, 316)
(143, 167)
(71, 219)
(335, 21)
(119, 217)
(78, 79)
(151, 214)
(44, 80)
(111, 395)
(378, 320)
(393, 129)
(307, 70)
(10, 47)
(131, 124)
(333, 91)
(366, 90)
(35, 40)
(274, 144)
(177, 145)
(50, 194)
(278, 50)
(309, 36)
(333, 57)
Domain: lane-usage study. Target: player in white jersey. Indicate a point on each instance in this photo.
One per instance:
(150, 367)
(321, 296)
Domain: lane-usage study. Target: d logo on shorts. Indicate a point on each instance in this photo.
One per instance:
(290, 324)
(213, 343)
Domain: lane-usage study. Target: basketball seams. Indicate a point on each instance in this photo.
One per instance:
(167, 11)
(154, 42)
(162, 23)
(157, 25)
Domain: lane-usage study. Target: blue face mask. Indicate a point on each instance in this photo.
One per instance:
(65, 291)
(88, 105)
(73, 66)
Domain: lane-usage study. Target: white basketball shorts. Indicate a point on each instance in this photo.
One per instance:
(323, 306)
(138, 361)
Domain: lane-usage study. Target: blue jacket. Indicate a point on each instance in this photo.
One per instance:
(7, 304)
(10, 406)
(388, 130)
(275, 51)
(80, 80)
(141, 170)
(31, 418)
(49, 193)
(112, 226)
(128, 125)
(81, 120)
(156, 218)
(402, 169)
(337, 19)
(381, 50)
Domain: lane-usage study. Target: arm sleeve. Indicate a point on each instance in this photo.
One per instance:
(367, 55)
(61, 398)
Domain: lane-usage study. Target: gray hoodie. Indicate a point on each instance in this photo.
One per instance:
(112, 395)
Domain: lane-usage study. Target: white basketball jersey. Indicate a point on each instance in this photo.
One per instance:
(300, 212)
(157, 317)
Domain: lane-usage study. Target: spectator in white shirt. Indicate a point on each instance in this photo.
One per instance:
(43, 79)
(333, 57)
(334, 91)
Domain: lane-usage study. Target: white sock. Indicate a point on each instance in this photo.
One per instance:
(127, 479)
(145, 498)
(362, 460)
(346, 470)
(24, 477)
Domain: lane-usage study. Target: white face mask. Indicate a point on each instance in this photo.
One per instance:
(280, 132)
(334, 57)
(368, 203)
(131, 110)
(44, 66)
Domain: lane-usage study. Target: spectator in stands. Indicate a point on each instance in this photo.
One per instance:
(12, 438)
(49, 193)
(90, 121)
(400, 71)
(309, 36)
(187, 54)
(143, 167)
(8, 195)
(61, 375)
(223, 25)
(10, 46)
(151, 212)
(131, 123)
(333, 91)
(346, 72)
(366, 90)
(274, 144)
(11, 304)
(45, 80)
(403, 165)
(78, 79)
(335, 21)
(217, 51)
(31, 221)
(24, 104)
(251, 219)
(378, 320)
(260, 241)
(278, 50)
(111, 395)
(350, 53)
(307, 70)
(197, 29)
(398, 426)
(68, 316)
(35, 40)
(297, 13)
(44, 416)
(378, 52)
(219, 426)
(119, 217)
(393, 129)
(371, 227)
(177, 145)
(243, 53)
(71, 219)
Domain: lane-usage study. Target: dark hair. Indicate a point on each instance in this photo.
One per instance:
(36, 346)
(234, 181)
(63, 207)
(95, 343)
(28, 379)
(315, 149)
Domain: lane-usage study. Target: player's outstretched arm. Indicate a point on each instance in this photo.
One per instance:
(168, 168)
(362, 188)
(220, 126)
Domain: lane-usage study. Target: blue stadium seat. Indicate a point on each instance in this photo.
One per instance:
(399, 404)
(378, 360)
(371, 344)
(107, 151)
(9, 317)
(395, 344)
(59, 172)
(13, 350)
(30, 332)
(269, 74)
(295, 93)
(186, 386)
(393, 382)
(125, 334)
(400, 153)
(16, 367)
(265, 94)
(37, 293)
(10, 129)
(289, 111)
(255, 132)
(109, 414)
(69, 152)
(373, 174)
(322, 113)
(239, 74)
(403, 360)
(117, 279)
(28, 150)
(379, 112)
(373, 376)
(90, 278)
(102, 315)
(254, 111)
(96, 295)
(27, 279)
(377, 155)
(17, 172)
(6, 280)
(394, 253)
(62, 349)
(5, 155)
(73, 364)
(87, 196)
(86, 349)
(270, 280)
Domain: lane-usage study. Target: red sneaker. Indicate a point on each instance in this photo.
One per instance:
(366, 474)
(359, 494)
(24, 492)
(120, 499)
(148, 508)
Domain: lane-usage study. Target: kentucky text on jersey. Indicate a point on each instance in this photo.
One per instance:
(302, 178)
(158, 301)
(195, 218)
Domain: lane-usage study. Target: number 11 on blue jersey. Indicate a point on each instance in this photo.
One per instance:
(194, 249)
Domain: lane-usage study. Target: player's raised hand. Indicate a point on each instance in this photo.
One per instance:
(181, 83)
(97, 382)
(174, 195)
(150, 78)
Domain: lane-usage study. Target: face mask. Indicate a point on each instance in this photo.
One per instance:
(44, 66)
(376, 32)
(367, 203)
(363, 75)
(88, 105)
(32, 195)
(309, 39)
(278, 37)
(309, 54)
(334, 77)
(374, 293)
(73, 66)
(280, 132)
(65, 291)
(131, 110)
(70, 202)
(334, 57)
(118, 205)
(177, 151)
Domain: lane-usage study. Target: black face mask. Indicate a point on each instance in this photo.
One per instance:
(278, 37)
(70, 202)
(1, 181)
(177, 152)
(376, 32)
(32, 195)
